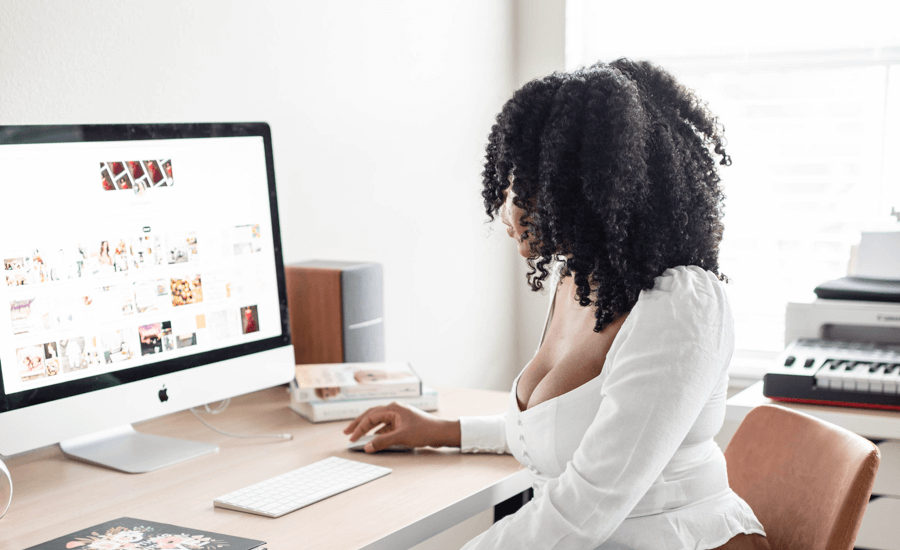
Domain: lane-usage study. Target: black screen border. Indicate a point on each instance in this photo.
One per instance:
(37, 134)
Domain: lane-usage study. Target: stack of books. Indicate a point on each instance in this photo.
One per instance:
(343, 391)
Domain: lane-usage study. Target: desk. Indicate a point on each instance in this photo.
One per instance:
(879, 529)
(428, 491)
(871, 423)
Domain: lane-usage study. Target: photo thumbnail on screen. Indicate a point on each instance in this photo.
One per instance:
(186, 291)
(136, 175)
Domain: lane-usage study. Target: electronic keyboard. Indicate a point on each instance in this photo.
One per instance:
(828, 372)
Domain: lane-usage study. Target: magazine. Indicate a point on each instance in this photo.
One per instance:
(146, 535)
(341, 381)
(348, 409)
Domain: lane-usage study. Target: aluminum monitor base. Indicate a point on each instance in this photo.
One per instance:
(124, 449)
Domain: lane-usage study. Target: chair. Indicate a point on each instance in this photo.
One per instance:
(807, 480)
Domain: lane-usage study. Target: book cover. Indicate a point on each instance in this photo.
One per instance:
(141, 534)
(326, 411)
(340, 381)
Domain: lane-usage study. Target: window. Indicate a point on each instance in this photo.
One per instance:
(813, 133)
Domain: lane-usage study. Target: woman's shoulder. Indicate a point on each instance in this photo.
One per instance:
(685, 313)
(688, 283)
(688, 295)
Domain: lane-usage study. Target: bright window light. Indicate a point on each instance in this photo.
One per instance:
(810, 102)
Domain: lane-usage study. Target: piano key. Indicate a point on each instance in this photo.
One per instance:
(848, 376)
(837, 376)
(833, 376)
(891, 381)
(876, 383)
(883, 380)
(862, 376)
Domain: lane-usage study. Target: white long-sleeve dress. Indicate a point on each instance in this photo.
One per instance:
(627, 460)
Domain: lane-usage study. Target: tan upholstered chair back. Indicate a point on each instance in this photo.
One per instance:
(807, 480)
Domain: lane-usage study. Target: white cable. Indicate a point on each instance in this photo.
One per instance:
(222, 406)
(4, 506)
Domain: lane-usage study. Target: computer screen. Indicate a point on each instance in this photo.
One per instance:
(135, 252)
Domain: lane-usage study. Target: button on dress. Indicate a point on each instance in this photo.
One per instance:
(627, 460)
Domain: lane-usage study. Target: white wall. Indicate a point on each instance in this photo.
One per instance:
(379, 111)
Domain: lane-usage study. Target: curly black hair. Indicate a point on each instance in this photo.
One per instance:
(613, 166)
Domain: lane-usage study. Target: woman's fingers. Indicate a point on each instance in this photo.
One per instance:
(380, 443)
(370, 421)
(350, 427)
(358, 419)
(363, 425)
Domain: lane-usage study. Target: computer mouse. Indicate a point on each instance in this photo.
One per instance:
(360, 443)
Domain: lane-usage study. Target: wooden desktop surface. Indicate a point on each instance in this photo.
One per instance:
(54, 495)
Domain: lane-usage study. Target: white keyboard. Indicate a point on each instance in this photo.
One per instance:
(293, 490)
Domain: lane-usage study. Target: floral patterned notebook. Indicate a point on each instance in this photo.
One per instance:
(131, 533)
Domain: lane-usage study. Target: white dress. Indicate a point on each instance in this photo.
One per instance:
(627, 460)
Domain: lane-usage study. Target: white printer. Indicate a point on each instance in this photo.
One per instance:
(848, 320)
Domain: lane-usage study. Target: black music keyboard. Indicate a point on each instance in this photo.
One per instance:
(829, 372)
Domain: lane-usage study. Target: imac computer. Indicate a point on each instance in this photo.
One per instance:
(142, 275)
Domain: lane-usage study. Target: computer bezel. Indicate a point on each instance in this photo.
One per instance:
(38, 134)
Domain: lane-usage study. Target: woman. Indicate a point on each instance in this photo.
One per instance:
(105, 258)
(607, 180)
(249, 321)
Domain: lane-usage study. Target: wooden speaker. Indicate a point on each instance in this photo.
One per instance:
(336, 311)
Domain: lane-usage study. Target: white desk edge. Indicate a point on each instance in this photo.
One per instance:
(461, 510)
(871, 423)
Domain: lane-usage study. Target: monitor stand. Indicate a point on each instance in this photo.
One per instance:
(124, 449)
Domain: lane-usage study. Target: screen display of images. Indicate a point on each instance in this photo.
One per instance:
(122, 254)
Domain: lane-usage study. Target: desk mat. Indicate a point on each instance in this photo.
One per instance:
(141, 534)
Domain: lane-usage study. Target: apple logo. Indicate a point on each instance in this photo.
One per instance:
(163, 395)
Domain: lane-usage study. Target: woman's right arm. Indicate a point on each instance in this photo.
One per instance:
(411, 427)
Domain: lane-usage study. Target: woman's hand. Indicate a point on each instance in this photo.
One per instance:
(404, 425)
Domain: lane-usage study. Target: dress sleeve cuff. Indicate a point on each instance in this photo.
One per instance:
(483, 434)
